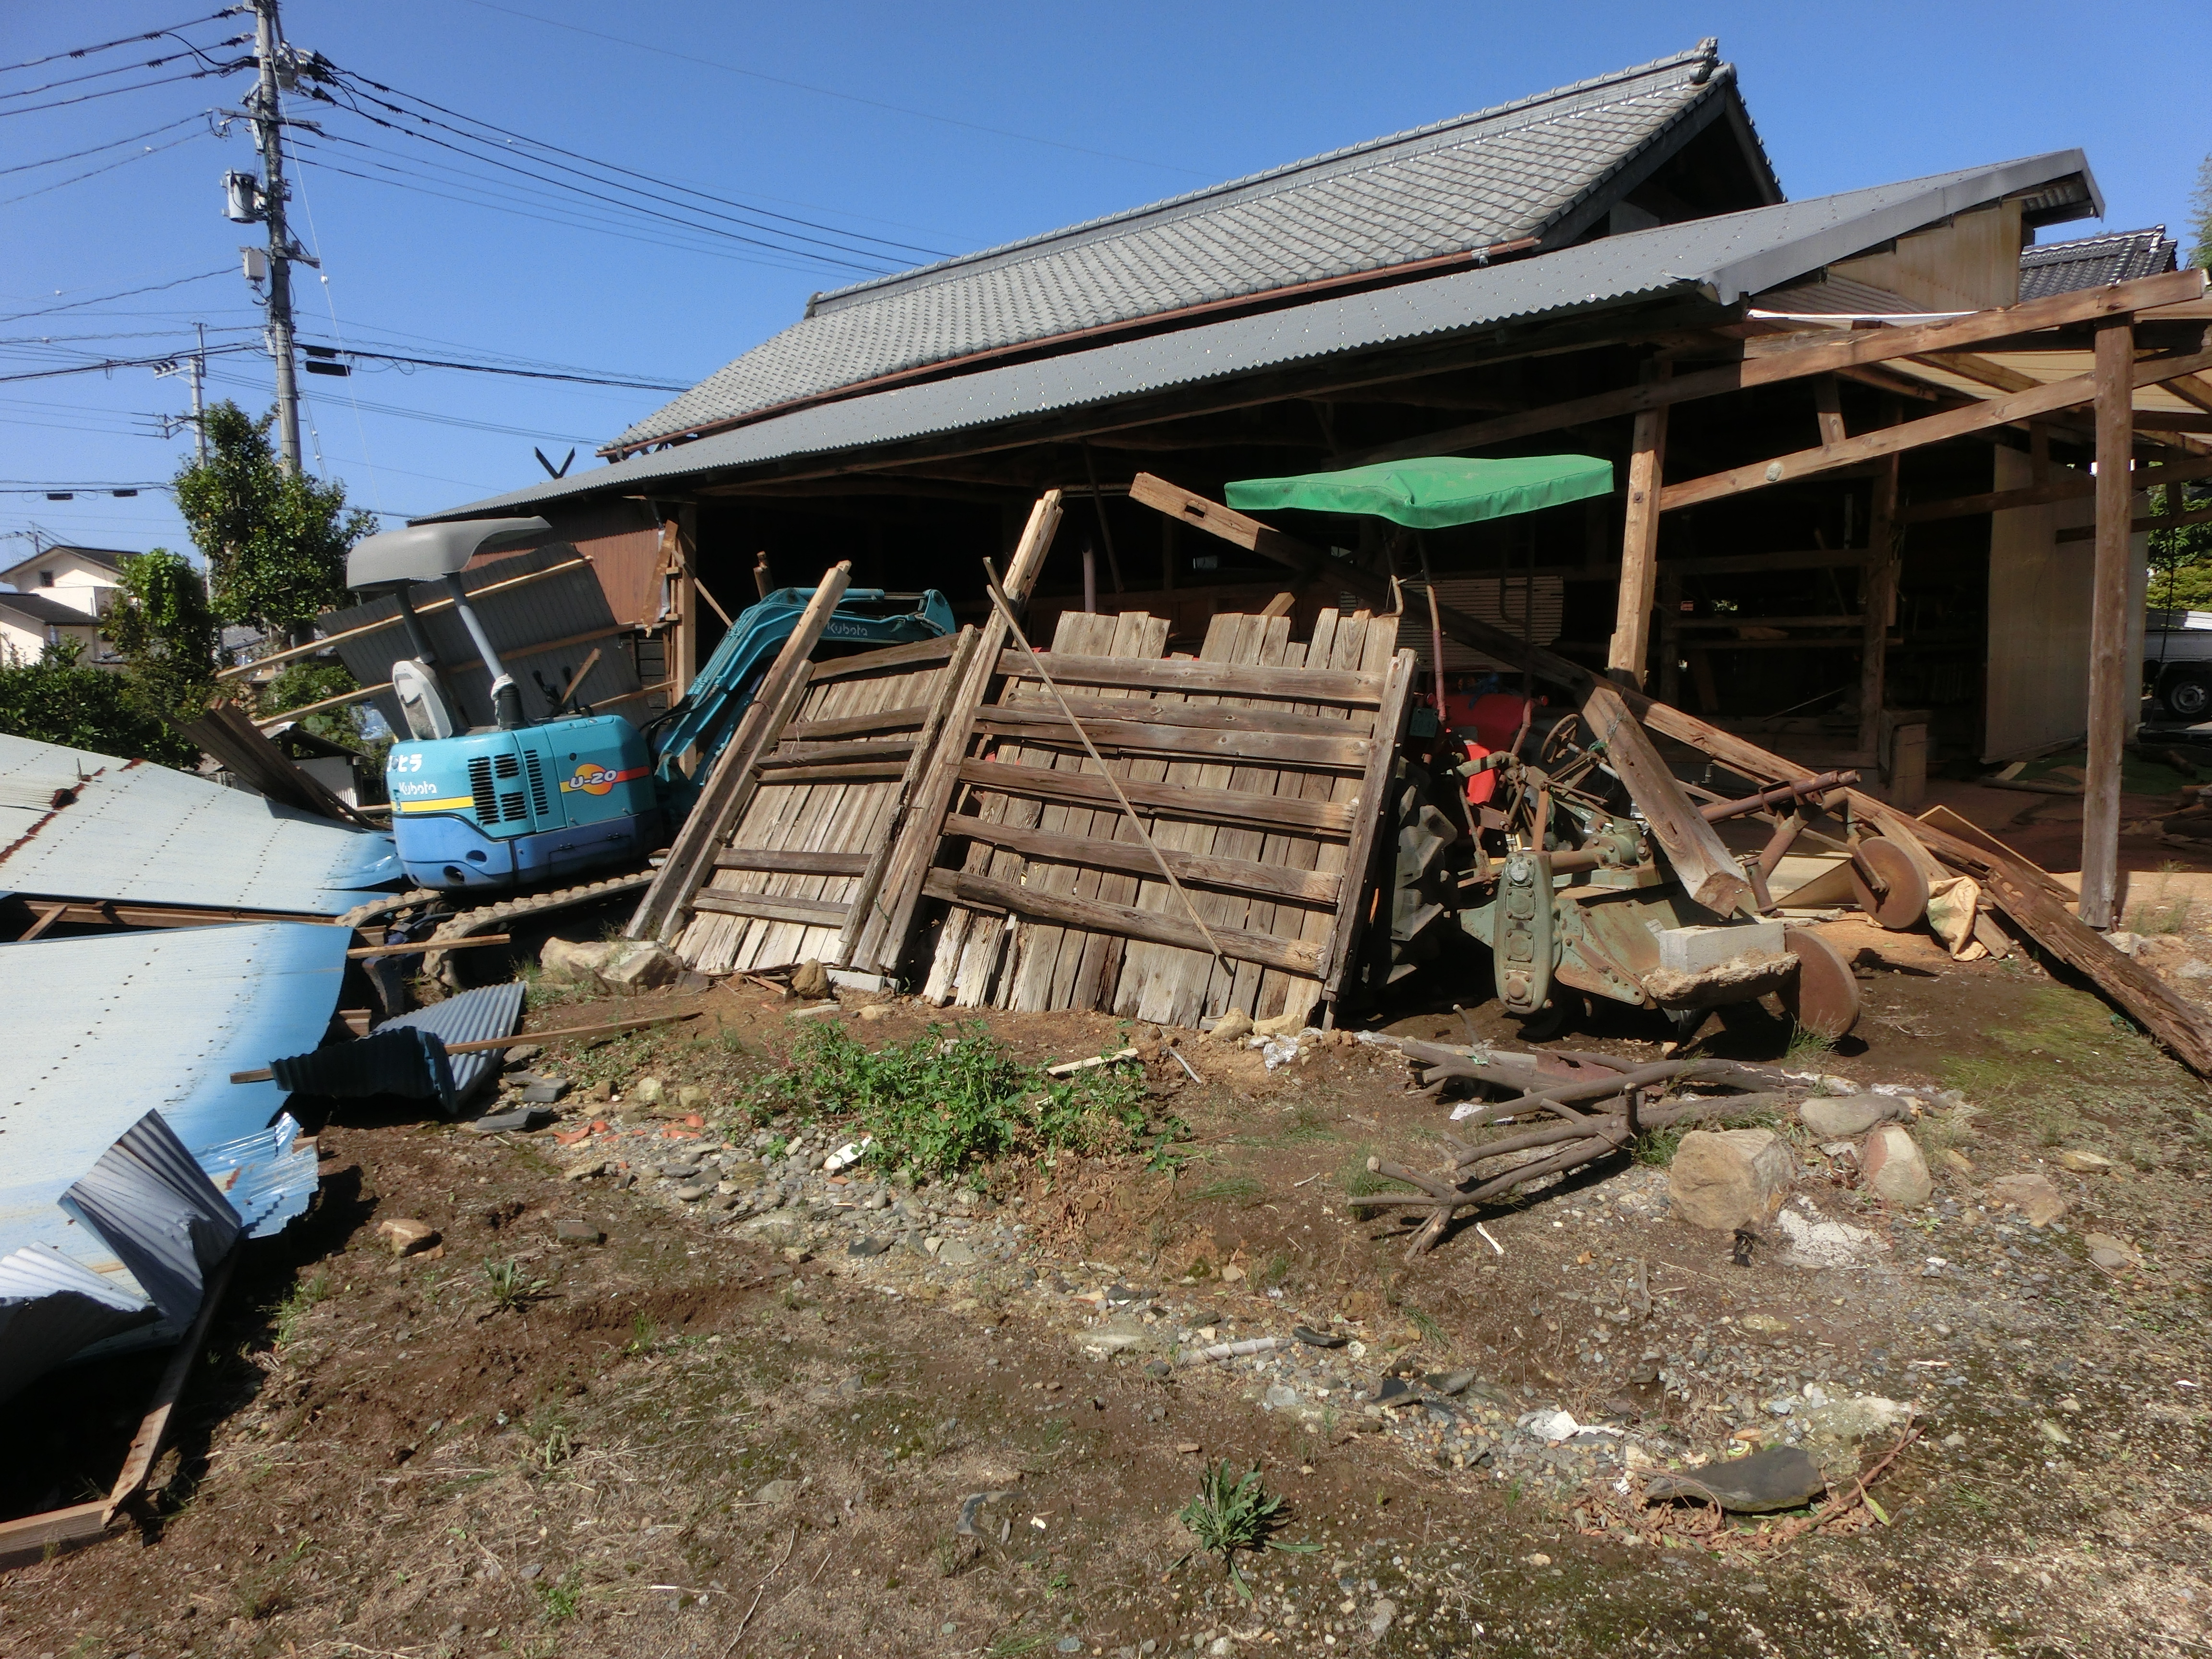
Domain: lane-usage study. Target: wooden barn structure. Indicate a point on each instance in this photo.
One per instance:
(1880, 456)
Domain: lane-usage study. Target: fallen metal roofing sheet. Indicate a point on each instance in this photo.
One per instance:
(1722, 260)
(75, 825)
(269, 1176)
(51, 1308)
(407, 1056)
(159, 1212)
(103, 1030)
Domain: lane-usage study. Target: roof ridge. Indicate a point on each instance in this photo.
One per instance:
(2074, 243)
(1706, 52)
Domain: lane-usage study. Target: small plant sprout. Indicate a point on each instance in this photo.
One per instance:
(1232, 1513)
(513, 1284)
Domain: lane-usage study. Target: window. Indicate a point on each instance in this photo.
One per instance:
(46, 579)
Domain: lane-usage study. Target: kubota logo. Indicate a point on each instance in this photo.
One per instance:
(593, 778)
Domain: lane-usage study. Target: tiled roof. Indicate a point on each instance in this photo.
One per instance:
(1471, 183)
(38, 608)
(1717, 261)
(2094, 261)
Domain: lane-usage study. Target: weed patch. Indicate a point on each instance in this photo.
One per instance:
(1230, 1514)
(298, 1303)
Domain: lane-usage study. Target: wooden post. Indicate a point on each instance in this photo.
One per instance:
(1670, 636)
(1828, 405)
(686, 666)
(2109, 694)
(1640, 542)
(1877, 597)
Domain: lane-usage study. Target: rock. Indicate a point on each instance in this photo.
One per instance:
(569, 959)
(1232, 1273)
(2033, 1195)
(407, 1237)
(1280, 1398)
(690, 1099)
(1280, 1025)
(1765, 1324)
(1835, 1431)
(521, 1121)
(1448, 1382)
(1956, 1161)
(778, 1492)
(2085, 1163)
(590, 1166)
(694, 1192)
(1068, 1645)
(1232, 1027)
(521, 1054)
(1845, 1117)
(1724, 1179)
(1813, 1242)
(578, 1233)
(545, 1092)
(864, 1247)
(2112, 1252)
(1379, 1617)
(634, 964)
(1895, 1172)
(1779, 1478)
(647, 1092)
(810, 981)
(953, 1252)
(870, 1014)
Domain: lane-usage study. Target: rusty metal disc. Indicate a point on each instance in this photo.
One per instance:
(1888, 885)
(1823, 996)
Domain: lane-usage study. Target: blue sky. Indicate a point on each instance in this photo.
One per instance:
(879, 130)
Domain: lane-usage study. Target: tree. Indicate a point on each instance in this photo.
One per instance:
(2200, 217)
(58, 699)
(165, 628)
(2180, 560)
(275, 542)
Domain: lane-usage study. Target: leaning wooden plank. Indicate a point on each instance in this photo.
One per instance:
(790, 752)
(857, 771)
(1027, 699)
(660, 913)
(890, 657)
(225, 733)
(1140, 735)
(1228, 806)
(771, 907)
(1228, 679)
(1292, 956)
(1708, 872)
(884, 940)
(153, 1427)
(35, 1537)
(1338, 641)
(1363, 859)
(1235, 875)
(850, 725)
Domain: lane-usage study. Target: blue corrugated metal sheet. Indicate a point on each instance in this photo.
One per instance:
(1722, 260)
(406, 1056)
(101, 1031)
(268, 1176)
(51, 1306)
(158, 1211)
(520, 623)
(80, 826)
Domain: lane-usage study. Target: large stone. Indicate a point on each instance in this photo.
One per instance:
(407, 1237)
(1845, 1118)
(1779, 1478)
(1894, 1170)
(1725, 1179)
(573, 959)
(810, 980)
(2033, 1196)
(634, 964)
(1836, 1432)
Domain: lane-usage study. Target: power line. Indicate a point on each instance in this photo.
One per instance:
(829, 92)
(141, 85)
(639, 385)
(109, 167)
(190, 51)
(113, 143)
(127, 41)
(154, 288)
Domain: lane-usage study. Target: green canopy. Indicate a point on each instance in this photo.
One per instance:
(1434, 492)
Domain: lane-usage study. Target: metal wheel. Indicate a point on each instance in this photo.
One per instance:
(1824, 996)
(1889, 885)
(2189, 696)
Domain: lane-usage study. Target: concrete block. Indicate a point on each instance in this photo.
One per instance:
(1694, 949)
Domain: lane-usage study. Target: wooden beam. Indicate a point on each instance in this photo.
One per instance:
(1245, 811)
(2149, 521)
(883, 937)
(1913, 434)
(1298, 956)
(1828, 410)
(1192, 869)
(1372, 843)
(661, 913)
(1140, 736)
(2070, 487)
(1861, 347)
(47, 918)
(1359, 691)
(1630, 650)
(2110, 695)
(778, 862)
(772, 907)
(359, 693)
(1968, 367)
(225, 733)
(2192, 389)
(849, 725)
(36, 1537)
(2167, 420)
(1202, 716)
(153, 1427)
(1879, 597)
(1707, 870)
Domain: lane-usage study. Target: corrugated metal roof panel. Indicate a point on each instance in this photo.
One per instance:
(1723, 259)
(158, 1211)
(536, 614)
(101, 1030)
(1475, 181)
(407, 1056)
(477, 1016)
(269, 1176)
(79, 825)
(51, 1306)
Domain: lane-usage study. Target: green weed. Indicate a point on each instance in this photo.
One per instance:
(1232, 1513)
(643, 1334)
(1229, 1187)
(561, 1599)
(513, 1285)
(1807, 1046)
(1007, 1646)
(942, 1104)
(1360, 1182)
(1432, 1332)
(2160, 918)
(299, 1301)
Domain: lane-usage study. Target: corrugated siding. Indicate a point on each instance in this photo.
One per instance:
(563, 607)
(134, 831)
(50, 1307)
(158, 1210)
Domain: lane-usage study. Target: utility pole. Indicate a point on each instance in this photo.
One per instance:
(268, 130)
(199, 414)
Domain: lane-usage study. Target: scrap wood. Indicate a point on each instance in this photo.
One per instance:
(1070, 1067)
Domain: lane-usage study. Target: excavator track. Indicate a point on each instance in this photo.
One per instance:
(488, 917)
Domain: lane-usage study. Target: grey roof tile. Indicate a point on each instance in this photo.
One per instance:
(2094, 261)
(1458, 185)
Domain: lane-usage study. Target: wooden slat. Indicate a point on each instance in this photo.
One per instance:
(660, 915)
(1140, 735)
(35, 1536)
(852, 726)
(1913, 434)
(1629, 648)
(2112, 698)
(775, 859)
(1237, 875)
(1878, 589)
(1364, 858)
(1226, 679)
(1708, 872)
(1293, 956)
(900, 657)
(770, 907)
(1027, 696)
(153, 1427)
(1860, 348)
(1200, 805)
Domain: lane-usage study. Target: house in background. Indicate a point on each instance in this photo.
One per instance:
(85, 578)
(29, 623)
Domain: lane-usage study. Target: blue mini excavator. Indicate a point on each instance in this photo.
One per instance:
(525, 803)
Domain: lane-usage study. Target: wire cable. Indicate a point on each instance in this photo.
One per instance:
(154, 288)
(127, 41)
(142, 85)
(109, 167)
(113, 143)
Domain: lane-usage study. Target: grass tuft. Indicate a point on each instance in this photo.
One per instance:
(513, 1285)
(1232, 1513)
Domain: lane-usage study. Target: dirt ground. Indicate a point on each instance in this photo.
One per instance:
(754, 1431)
